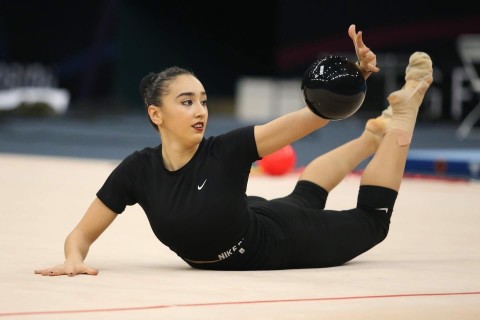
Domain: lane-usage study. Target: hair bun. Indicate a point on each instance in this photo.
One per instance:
(146, 82)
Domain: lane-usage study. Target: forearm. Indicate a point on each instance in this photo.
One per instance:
(97, 218)
(76, 247)
(298, 124)
(286, 130)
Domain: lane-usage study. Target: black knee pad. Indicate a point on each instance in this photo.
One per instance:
(377, 202)
(309, 195)
(377, 198)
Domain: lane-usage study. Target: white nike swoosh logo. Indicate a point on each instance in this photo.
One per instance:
(201, 186)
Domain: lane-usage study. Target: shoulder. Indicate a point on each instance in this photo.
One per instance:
(147, 155)
(238, 142)
(242, 133)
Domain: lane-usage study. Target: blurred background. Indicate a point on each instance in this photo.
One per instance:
(88, 58)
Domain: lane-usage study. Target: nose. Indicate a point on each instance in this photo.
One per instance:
(200, 110)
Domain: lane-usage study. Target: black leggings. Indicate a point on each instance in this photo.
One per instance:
(297, 232)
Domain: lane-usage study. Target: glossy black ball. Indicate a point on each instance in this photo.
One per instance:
(333, 87)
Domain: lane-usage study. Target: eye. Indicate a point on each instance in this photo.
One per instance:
(187, 102)
(204, 102)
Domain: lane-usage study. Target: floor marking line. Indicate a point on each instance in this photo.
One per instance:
(207, 304)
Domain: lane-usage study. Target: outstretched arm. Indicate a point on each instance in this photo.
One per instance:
(95, 221)
(286, 129)
(297, 124)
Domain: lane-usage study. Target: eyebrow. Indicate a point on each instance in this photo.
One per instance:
(189, 94)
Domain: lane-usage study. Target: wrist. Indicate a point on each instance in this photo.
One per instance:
(361, 69)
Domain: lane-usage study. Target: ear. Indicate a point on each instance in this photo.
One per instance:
(155, 114)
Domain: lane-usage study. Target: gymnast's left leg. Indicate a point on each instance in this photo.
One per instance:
(329, 169)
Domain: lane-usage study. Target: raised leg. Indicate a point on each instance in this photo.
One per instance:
(387, 167)
(329, 169)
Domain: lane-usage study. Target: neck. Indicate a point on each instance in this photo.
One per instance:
(175, 156)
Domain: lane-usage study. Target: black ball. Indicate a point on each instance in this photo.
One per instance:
(333, 87)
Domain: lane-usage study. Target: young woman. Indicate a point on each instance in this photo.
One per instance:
(193, 189)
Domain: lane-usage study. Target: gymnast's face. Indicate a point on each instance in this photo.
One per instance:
(183, 116)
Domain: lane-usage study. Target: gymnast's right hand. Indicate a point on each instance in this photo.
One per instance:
(97, 218)
(68, 268)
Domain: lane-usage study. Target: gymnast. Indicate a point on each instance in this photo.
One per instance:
(193, 188)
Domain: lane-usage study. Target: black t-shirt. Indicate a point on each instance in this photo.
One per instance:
(198, 210)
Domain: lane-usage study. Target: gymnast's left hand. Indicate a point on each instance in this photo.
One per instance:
(367, 60)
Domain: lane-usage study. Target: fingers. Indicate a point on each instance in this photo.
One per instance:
(367, 60)
(359, 40)
(91, 271)
(43, 272)
(50, 272)
(69, 270)
(354, 36)
(73, 270)
(352, 32)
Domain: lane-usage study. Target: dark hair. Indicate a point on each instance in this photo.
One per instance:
(153, 86)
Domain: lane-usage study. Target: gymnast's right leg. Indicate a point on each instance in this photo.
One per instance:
(383, 175)
(387, 167)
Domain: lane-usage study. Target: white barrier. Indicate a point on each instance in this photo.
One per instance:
(56, 98)
(267, 98)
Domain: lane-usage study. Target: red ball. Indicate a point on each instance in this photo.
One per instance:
(280, 162)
